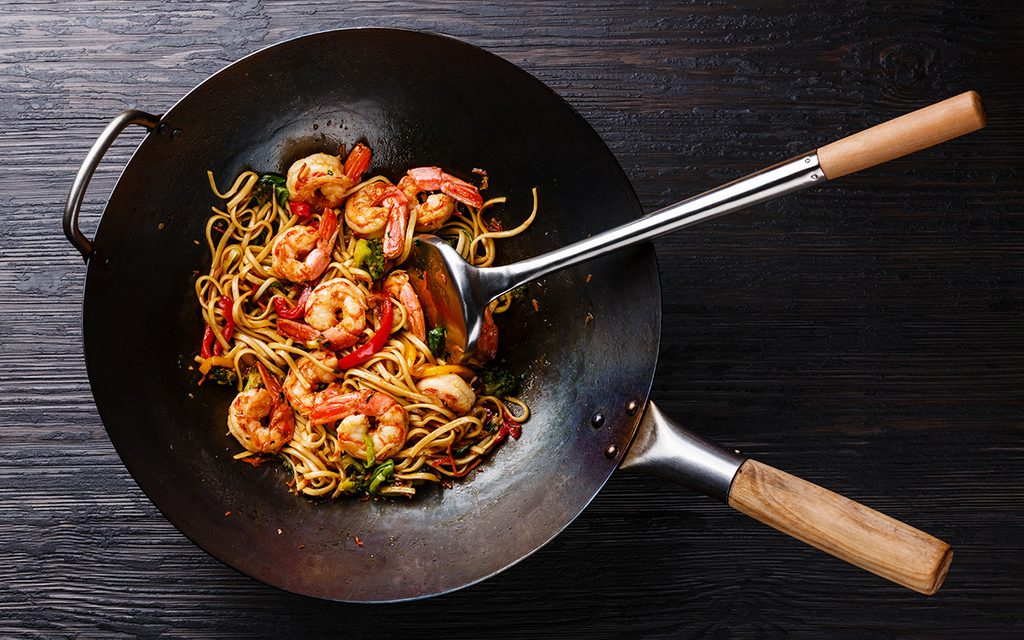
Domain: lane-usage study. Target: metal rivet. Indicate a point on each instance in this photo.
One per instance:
(814, 176)
(176, 134)
(162, 128)
(611, 451)
(632, 407)
(807, 160)
(597, 420)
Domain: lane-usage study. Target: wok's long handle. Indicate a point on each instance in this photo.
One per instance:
(906, 134)
(92, 160)
(839, 526)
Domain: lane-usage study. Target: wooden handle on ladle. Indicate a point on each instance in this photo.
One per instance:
(841, 527)
(904, 135)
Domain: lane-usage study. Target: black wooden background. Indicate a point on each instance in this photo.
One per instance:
(867, 335)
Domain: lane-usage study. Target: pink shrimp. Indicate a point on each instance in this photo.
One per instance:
(365, 415)
(322, 181)
(307, 385)
(302, 253)
(397, 284)
(434, 211)
(379, 209)
(260, 419)
(335, 316)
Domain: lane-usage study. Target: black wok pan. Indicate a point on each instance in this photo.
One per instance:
(415, 99)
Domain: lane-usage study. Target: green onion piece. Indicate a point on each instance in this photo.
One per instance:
(382, 473)
(371, 457)
(436, 341)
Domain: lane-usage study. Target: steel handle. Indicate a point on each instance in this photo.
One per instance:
(92, 160)
(825, 520)
(792, 175)
(906, 134)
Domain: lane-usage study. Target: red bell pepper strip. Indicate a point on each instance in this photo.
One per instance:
(225, 303)
(207, 349)
(451, 462)
(293, 313)
(375, 343)
(300, 210)
(509, 427)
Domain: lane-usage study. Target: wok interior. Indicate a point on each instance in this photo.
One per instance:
(415, 100)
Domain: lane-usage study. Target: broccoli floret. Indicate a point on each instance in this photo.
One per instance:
(271, 186)
(499, 381)
(253, 380)
(369, 254)
(223, 375)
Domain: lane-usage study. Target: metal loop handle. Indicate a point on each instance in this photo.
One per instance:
(92, 159)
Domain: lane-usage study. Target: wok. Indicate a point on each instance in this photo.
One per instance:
(415, 99)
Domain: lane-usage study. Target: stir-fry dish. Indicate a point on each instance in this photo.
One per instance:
(310, 317)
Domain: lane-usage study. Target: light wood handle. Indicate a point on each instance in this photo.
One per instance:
(904, 135)
(841, 527)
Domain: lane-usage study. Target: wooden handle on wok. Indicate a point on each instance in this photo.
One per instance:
(841, 527)
(904, 135)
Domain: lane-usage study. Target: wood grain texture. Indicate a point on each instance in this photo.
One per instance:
(909, 133)
(866, 336)
(841, 527)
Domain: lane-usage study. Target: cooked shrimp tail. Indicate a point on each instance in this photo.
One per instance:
(269, 381)
(357, 163)
(298, 330)
(398, 220)
(397, 284)
(434, 179)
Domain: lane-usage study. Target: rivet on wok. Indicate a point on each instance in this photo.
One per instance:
(632, 407)
(597, 420)
(175, 134)
(611, 451)
(161, 128)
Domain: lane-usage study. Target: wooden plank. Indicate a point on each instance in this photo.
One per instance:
(866, 336)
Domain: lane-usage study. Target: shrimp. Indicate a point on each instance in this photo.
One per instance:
(335, 316)
(379, 209)
(433, 212)
(397, 284)
(365, 416)
(302, 253)
(450, 389)
(260, 419)
(303, 387)
(320, 179)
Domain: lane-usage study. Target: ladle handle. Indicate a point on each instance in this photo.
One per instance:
(904, 135)
(841, 527)
(908, 133)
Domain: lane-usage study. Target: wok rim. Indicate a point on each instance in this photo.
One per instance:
(643, 387)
